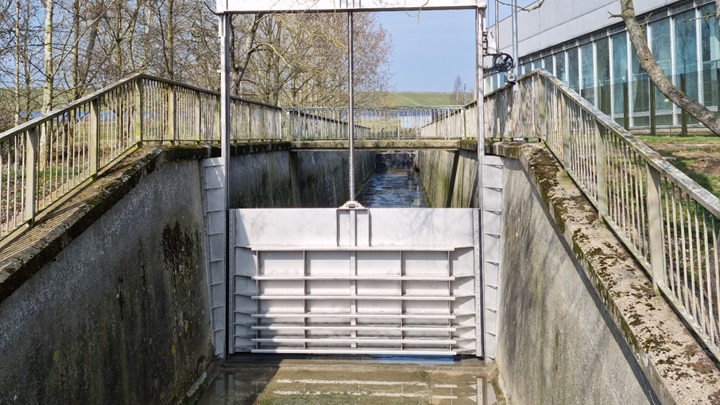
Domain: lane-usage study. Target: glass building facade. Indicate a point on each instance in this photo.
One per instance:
(604, 69)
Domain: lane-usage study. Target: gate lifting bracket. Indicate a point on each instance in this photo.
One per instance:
(501, 62)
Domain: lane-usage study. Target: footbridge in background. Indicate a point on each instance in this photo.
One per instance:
(556, 180)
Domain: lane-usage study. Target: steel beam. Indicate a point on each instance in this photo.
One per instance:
(285, 6)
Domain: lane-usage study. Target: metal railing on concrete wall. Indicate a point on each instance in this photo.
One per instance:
(43, 160)
(376, 122)
(668, 221)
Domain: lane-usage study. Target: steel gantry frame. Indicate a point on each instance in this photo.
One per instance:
(226, 8)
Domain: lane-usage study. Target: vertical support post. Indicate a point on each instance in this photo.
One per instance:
(683, 113)
(717, 81)
(515, 55)
(139, 108)
(172, 114)
(626, 105)
(601, 167)
(480, 97)
(94, 137)
(351, 107)
(31, 147)
(497, 27)
(225, 159)
(653, 121)
(655, 227)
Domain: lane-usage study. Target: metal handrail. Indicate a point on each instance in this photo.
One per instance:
(374, 122)
(666, 220)
(48, 157)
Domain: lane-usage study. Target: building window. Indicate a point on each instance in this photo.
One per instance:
(602, 63)
(686, 56)
(661, 47)
(710, 57)
(573, 71)
(560, 71)
(587, 73)
(548, 64)
(619, 76)
(537, 64)
(639, 93)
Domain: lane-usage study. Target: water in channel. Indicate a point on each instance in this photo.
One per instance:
(393, 188)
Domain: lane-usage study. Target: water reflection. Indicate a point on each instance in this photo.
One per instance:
(320, 382)
(394, 188)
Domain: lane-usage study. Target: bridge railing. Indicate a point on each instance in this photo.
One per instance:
(376, 122)
(43, 160)
(668, 221)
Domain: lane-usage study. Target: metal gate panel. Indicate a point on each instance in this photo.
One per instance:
(377, 281)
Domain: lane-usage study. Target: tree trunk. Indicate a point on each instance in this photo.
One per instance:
(17, 63)
(48, 58)
(75, 70)
(240, 68)
(656, 75)
(171, 40)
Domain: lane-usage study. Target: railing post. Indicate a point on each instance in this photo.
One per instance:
(601, 169)
(31, 146)
(139, 109)
(94, 137)
(198, 119)
(172, 116)
(464, 123)
(655, 227)
(565, 130)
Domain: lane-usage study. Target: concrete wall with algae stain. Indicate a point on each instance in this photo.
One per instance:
(554, 344)
(449, 177)
(580, 321)
(119, 316)
(298, 178)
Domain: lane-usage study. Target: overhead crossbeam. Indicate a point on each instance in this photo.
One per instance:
(298, 6)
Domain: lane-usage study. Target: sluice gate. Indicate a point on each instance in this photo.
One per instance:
(355, 281)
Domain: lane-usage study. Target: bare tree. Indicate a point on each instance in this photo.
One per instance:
(637, 36)
(458, 91)
(302, 59)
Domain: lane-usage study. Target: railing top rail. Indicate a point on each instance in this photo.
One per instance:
(99, 93)
(456, 107)
(699, 193)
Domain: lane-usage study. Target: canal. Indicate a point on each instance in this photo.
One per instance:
(376, 380)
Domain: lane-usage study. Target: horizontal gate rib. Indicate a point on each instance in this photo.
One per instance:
(355, 278)
(356, 297)
(358, 351)
(358, 327)
(276, 248)
(377, 316)
(432, 342)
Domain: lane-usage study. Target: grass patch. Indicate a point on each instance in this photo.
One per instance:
(696, 156)
(420, 99)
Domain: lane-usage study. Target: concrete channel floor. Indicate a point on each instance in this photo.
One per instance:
(359, 380)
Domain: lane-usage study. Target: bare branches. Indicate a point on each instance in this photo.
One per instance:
(532, 7)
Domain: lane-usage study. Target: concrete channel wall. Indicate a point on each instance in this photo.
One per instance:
(578, 320)
(302, 178)
(119, 315)
(106, 300)
(449, 177)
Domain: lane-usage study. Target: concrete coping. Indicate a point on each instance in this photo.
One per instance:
(676, 366)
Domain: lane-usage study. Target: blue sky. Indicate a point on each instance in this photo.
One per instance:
(433, 47)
